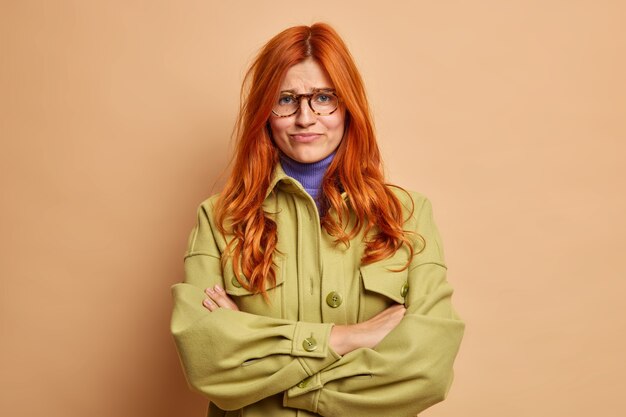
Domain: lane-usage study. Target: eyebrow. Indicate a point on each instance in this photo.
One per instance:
(313, 90)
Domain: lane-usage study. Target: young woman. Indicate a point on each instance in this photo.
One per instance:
(312, 288)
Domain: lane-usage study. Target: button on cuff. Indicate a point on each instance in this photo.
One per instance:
(312, 383)
(302, 399)
(311, 339)
(309, 344)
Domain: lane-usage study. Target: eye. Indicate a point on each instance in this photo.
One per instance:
(286, 100)
(323, 98)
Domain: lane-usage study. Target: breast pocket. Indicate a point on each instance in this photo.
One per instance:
(381, 287)
(255, 303)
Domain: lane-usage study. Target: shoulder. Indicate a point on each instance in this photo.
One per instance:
(207, 206)
(205, 215)
(418, 215)
(414, 204)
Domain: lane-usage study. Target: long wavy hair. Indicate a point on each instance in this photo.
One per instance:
(355, 169)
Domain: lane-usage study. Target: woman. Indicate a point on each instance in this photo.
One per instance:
(311, 287)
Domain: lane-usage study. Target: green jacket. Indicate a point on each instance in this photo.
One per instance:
(274, 360)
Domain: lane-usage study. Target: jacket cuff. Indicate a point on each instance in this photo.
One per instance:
(310, 340)
(306, 401)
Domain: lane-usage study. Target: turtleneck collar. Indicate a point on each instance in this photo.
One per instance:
(309, 175)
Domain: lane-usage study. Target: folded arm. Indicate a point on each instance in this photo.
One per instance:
(412, 367)
(232, 357)
(235, 358)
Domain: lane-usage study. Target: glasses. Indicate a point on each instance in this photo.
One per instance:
(322, 103)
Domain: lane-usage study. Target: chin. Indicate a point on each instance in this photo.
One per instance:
(308, 158)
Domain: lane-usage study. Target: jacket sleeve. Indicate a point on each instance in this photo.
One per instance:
(411, 369)
(231, 357)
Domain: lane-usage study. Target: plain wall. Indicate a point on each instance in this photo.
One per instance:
(115, 123)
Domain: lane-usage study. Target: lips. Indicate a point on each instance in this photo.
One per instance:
(304, 137)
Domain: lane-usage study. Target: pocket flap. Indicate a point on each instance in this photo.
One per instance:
(378, 278)
(233, 287)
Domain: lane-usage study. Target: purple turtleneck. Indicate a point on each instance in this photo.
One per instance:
(309, 175)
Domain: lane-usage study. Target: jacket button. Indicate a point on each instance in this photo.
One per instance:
(333, 299)
(304, 383)
(235, 282)
(405, 289)
(309, 344)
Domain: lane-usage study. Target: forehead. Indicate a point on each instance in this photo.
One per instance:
(306, 76)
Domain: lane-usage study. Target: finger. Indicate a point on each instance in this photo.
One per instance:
(399, 308)
(219, 297)
(224, 299)
(209, 304)
(394, 309)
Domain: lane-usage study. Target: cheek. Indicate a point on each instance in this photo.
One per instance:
(279, 126)
(335, 124)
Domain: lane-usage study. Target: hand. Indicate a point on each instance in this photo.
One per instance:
(368, 334)
(217, 298)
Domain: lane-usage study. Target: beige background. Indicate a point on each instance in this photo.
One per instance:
(115, 120)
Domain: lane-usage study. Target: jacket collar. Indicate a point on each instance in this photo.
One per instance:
(278, 176)
(281, 179)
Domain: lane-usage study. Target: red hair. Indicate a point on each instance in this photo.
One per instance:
(356, 167)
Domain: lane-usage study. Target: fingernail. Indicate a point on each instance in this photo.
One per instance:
(218, 288)
(209, 290)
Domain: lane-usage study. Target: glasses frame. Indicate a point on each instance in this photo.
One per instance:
(309, 96)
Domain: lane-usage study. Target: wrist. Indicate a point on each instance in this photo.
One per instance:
(341, 340)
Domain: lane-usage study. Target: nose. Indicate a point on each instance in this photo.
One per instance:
(305, 116)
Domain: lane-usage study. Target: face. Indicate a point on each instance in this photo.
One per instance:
(305, 136)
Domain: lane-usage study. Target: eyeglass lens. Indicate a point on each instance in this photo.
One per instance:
(322, 103)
